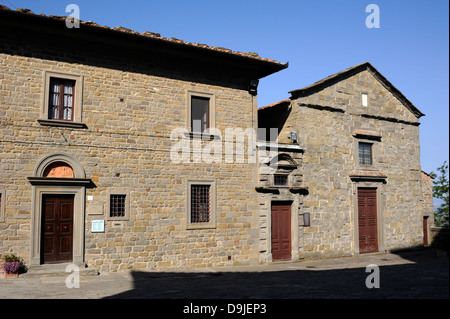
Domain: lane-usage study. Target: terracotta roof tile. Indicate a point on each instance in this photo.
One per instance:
(274, 104)
(251, 55)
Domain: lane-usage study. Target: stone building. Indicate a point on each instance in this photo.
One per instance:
(121, 150)
(89, 117)
(358, 166)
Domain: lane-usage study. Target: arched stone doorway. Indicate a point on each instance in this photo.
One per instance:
(58, 210)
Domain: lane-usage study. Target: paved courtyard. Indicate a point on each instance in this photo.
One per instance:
(415, 274)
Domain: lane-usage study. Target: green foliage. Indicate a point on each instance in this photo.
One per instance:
(11, 258)
(440, 190)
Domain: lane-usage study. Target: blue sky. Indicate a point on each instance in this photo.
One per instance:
(317, 38)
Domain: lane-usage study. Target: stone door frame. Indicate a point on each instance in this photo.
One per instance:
(58, 186)
(380, 212)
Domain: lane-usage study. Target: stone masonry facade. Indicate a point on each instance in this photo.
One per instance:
(131, 95)
(330, 120)
(122, 144)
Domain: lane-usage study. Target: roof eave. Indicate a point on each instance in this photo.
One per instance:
(258, 67)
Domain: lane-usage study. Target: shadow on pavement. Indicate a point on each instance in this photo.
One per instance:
(426, 277)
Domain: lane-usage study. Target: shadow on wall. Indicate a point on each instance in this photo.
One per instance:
(424, 276)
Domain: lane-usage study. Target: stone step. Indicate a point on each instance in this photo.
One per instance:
(57, 270)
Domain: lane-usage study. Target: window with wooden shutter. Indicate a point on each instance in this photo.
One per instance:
(61, 99)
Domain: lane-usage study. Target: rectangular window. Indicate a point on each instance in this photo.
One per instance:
(117, 206)
(365, 153)
(201, 205)
(364, 99)
(280, 180)
(199, 114)
(61, 99)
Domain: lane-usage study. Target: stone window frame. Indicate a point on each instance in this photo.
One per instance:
(127, 205)
(284, 174)
(369, 137)
(212, 111)
(212, 203)
(2, 204)
(366, 157)
(76, 121)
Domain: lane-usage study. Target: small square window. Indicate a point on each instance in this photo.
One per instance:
(280, 180)
(118, 206)
(365, 153)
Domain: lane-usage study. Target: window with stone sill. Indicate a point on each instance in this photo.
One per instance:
(118, 206)
(280, 180)
(201, 113)
(201, 205)
(62, 103)
(365, 153)
(61, 99)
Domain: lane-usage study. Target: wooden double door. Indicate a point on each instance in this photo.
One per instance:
(367, 220)
(57, 228)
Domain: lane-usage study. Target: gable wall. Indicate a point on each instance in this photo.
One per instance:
(325, 122)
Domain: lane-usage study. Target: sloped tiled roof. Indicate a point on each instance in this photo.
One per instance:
(156, 36)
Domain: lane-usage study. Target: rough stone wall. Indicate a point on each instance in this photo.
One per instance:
(427, 192)
(126, 147)
(325, 123)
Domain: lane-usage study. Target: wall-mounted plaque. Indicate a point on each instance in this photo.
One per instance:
(98, 226)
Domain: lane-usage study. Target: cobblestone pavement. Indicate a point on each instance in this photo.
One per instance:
(415, 274)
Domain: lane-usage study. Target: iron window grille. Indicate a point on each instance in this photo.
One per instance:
(280, 180)
(200, 203)
(117, 205)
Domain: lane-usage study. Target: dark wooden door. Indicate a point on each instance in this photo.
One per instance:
(367, 220)
(281, 232)
(57, 228)
(425, 230)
